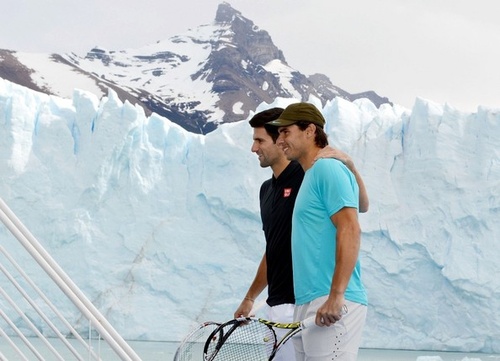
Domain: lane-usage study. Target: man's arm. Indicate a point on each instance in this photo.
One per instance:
(257, 286)
(364, 202)
(348, 244)
(329, 152)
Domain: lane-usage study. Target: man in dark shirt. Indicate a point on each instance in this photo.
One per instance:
(277, 199)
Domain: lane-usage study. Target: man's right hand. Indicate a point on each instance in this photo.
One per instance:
(244, 309)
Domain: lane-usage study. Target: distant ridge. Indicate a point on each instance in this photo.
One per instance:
(213, 74)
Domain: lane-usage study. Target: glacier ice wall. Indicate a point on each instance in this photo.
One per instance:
(158, 225)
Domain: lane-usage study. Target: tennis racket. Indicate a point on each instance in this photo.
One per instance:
(249, 339)
(191, 348)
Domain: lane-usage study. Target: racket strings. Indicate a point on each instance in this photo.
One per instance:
(191, 348)
(250, 341)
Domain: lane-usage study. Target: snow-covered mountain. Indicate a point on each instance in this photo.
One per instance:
(161, 226)
(212, 74)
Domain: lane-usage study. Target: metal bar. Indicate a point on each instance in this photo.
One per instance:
(51, 306)
(20, 334)
(13, 345)
(107, 331)
(30, 324)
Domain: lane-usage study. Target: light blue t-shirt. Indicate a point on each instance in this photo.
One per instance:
(328, 186)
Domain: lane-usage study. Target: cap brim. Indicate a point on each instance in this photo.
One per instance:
(282, 122)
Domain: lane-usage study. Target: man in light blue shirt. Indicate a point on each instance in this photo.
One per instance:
(325, 242)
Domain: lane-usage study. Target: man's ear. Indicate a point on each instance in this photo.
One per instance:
(311, 130)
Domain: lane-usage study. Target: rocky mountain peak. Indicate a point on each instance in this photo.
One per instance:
(226, 13)
(256, 44)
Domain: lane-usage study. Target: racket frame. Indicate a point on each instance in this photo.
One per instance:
(191, 339)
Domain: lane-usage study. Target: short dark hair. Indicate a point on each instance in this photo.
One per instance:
(262, 118)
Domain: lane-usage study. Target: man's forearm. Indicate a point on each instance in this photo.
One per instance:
(347, 248)
(260, 281)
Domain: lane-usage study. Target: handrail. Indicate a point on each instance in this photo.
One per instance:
(20, 334)
(37, 308)
(30, 324)
(63, 281)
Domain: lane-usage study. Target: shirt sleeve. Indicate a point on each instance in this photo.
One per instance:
(336, 185)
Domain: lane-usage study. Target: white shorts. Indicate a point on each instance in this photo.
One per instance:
(284, 314)
(338, 342)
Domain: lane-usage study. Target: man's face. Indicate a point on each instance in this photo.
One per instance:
(269, 153)
(291, 140)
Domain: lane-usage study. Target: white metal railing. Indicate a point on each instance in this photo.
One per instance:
(70, 290)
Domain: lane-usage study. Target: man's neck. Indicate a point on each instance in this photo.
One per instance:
(307, 159)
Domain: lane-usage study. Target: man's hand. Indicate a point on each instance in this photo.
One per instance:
(331, 311)
(245, 308)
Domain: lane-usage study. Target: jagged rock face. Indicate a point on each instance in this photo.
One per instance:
(254, 44)
(236, 71)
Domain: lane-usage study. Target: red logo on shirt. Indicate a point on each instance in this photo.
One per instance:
(287, 192)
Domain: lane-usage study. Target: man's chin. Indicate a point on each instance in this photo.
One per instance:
(289, 156)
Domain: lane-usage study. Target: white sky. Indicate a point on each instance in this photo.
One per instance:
(447, 51)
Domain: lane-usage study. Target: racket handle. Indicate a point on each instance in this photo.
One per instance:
(309, 322)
